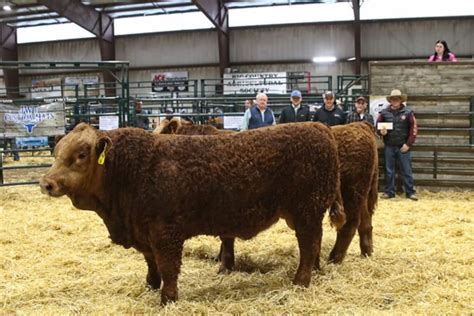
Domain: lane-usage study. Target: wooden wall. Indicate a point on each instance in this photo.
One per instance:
(442, 97)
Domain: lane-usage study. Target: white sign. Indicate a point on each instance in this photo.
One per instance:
(31, 119)
(233, 122)
(376, 104)
(169, 81)
(106, 123)
(385, 125)
(253, 83)
(46, 88)
(92, 83)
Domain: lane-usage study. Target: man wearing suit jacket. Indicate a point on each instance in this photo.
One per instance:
(295, 112)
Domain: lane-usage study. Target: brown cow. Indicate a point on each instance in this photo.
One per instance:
(154, 192)
(357, 147)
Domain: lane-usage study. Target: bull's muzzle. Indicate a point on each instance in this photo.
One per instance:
(50, 187)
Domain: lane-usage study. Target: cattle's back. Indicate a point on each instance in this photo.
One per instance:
(212, 177)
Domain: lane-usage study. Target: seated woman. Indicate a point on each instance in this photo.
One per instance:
(442, 52)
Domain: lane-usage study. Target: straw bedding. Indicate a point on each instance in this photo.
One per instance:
(58, 260)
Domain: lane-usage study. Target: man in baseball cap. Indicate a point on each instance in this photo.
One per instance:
(329, 114)
(296, 112)
(360, 114)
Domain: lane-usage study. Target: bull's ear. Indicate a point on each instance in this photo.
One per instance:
(103, 146)
(173, 126)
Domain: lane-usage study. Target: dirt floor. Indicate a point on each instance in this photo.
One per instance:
(58, 260)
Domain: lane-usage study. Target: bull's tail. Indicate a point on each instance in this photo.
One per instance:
(337, 216)
(374, 186)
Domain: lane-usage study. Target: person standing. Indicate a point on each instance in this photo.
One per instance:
(398, 142)
(296, 112)
(442, 52)
(258, 116)
(141, 120)
(360, 114)
(329, 114)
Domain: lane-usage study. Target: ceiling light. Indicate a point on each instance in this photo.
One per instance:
(324, 59)
(351, 59)
(6, 7)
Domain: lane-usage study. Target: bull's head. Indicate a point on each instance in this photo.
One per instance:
(77, 169)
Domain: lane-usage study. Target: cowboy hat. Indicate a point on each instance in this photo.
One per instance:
(397, 94)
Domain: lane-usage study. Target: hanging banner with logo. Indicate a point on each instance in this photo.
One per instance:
(92, 83)
(255, 82)
(46, 88)
(29, 120)
(169, 81)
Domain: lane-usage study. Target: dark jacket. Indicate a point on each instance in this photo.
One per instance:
(288, 115)
(334, 117)
(404, 126)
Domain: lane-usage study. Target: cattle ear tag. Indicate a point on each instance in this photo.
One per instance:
(101, 159)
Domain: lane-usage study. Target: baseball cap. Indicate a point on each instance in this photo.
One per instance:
(296, 94)
(328, 94)
(361, 98)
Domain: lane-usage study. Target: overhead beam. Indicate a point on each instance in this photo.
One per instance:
(357, 37)
(99, 24)
(9, 52)
(217, 13)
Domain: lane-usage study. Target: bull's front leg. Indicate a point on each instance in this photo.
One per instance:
(226, 255)
(167, 252)
(153, 277)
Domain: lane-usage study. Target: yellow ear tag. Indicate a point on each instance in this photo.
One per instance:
(101, 159)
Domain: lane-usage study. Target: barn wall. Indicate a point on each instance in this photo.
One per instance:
(267, 48)
(301, 42)
(176, 48)
(416, 38)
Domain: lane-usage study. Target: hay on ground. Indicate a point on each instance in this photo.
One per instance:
(56, 260)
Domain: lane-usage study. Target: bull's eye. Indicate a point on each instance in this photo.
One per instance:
(81, 156)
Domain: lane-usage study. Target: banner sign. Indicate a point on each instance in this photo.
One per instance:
(92, 83)
(253, 83)
(37, 141)
(46, 88)
(29, 120)
(169, 81)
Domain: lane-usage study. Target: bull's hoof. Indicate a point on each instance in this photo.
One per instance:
(224, 270)
(336, 257)
(154, 282)
(168, 298)
(301, 281)
(366, 253)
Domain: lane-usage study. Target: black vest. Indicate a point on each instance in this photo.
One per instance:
(256, 118)
(401, 126)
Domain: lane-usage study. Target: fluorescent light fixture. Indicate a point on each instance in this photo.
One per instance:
(324, 59)
(351, 59)
(6, 7)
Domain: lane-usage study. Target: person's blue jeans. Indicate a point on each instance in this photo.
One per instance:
(392, 154)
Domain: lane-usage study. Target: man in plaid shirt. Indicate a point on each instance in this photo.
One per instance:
(360, 114)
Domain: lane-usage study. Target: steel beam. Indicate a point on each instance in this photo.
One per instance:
(357, 47)
(217, 13)
(99, 24)
(9, 52)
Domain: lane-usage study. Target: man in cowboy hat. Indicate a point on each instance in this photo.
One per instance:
(398, 141)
